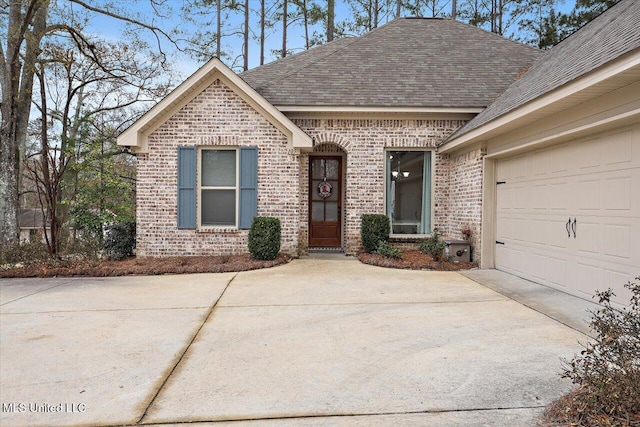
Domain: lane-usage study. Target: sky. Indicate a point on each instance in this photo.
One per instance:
(185, 64)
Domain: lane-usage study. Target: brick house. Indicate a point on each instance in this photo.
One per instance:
(417, 119)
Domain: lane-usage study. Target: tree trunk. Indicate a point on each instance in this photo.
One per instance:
(284, 28)
(17, 86)
(454, 10)
(376, 10)
(398, 8)
(331, 9)
(246, 35)
(305, 17)
(219, 28)
(262, 35)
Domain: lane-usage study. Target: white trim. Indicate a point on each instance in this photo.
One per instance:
(545, 100)
(377, 110)
(136, 135)
(568, 134)
(200, 187)
(432, 159)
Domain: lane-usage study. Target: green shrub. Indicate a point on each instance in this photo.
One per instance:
(387, 250)
(120, 240)
(373, 229)
(25, 253)
(433, 246)
(264, 238)
(607, 371)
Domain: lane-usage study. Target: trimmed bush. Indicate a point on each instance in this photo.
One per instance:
(387, 250)
(120, 240)
(264, 238)
(373, 229)
(433, 246)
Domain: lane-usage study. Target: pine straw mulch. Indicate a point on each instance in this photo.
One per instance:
(575, 409)
(144, 266)
(413, 260)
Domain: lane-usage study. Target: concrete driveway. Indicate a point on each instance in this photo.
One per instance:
(319, 341)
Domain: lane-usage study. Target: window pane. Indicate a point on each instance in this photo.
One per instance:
(332, 169)
(218, 207)
(405, 195)
(331, 211)
(317, 211)
(317, 168)
(218, 168)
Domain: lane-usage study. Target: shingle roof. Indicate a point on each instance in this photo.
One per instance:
(409, 62)
(612, 34)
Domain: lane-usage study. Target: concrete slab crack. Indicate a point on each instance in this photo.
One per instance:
(186, 349)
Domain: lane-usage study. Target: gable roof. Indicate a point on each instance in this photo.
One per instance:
(136, 135)
(607, 38)
(409, 62)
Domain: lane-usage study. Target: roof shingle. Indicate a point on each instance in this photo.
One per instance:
(604, 39)
(409, 62)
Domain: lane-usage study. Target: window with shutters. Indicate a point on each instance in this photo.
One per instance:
(218, 187)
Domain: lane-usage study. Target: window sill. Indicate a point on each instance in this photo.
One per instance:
(218, 230)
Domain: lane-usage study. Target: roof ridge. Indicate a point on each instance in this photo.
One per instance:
(344, 46)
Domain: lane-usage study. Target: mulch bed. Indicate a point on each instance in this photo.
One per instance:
(144, 266)
(413, 260)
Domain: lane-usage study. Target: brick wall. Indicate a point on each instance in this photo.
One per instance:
(364, 142)
(215, 117)
(465, 200)
(218, 117)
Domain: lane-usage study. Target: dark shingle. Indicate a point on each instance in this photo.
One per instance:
(612, 34)
(408, 62)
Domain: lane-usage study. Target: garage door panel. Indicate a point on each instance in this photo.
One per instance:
(589, 158)
(588, 193)
(620, 149)
(557, 271)
(617, 240)
(594, 182)
(589, 241)
(617, 196)
(588, 276)
(615, 279)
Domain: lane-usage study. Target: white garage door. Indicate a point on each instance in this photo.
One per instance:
(568, 216)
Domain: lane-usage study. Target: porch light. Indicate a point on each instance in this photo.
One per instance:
(405, 174)
(394, 174)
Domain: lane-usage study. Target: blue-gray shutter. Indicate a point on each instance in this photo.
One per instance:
(248, 186)
(187, 187)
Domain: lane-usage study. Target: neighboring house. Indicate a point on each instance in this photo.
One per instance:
(417, 119)
(31, 226)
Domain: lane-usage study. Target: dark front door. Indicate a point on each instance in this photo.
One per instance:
(325, 201)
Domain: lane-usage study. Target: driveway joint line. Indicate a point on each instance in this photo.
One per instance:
(186, 349)
(344, 415)
(107, 310)
(38, 292)
(365, 303)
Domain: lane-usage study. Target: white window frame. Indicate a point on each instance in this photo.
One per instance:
(201, 187)
(432, 157)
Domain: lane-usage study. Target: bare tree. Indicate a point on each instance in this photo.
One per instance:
(26, 24)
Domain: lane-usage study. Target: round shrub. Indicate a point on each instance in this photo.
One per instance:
(264, 238)
(120, 240)
(373, 229)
